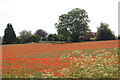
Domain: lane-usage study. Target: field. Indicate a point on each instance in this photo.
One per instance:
(61, 60)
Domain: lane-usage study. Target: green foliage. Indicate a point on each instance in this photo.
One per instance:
(56, 37)
(18, 40)
(24, 36)
(9, 34)
(61, 37)
(104, 33)
(44, 39)
(50, 37)
(119, 37)
(74, 25)
(27, 37)
(34, 38)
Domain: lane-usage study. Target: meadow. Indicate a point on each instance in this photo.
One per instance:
(97, 59)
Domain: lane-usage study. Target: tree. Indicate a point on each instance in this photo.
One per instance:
(9, 34)
(73, 25)
(104, 33)
(61, 37)
(24, 36)
(34, 38)
(41, 33)
(50, 37)
(56, 37)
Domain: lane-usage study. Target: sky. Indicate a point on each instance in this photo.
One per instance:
(43, 14)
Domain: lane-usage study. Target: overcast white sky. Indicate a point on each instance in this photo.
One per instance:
(43, 14)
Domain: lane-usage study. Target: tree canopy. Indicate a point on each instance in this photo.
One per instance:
(104, 33)
(24, 36)
(41, 33)
(73, 25)
(51, 37)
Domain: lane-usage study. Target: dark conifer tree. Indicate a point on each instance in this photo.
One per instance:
(9, 34)
(104, 33)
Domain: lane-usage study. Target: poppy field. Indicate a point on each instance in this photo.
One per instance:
(61, 60)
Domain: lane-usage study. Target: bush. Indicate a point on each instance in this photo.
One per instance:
(18, 40)
(50, 37)
(34, 38)
(44, 39)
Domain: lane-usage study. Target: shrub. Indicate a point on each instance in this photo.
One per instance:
(44, 39)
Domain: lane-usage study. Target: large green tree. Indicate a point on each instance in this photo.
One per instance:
(104, 33)
(73, 25)
(9, 34)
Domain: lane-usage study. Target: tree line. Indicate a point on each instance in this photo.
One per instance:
(71, 27)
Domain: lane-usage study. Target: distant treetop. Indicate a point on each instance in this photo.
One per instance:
(41, 33)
